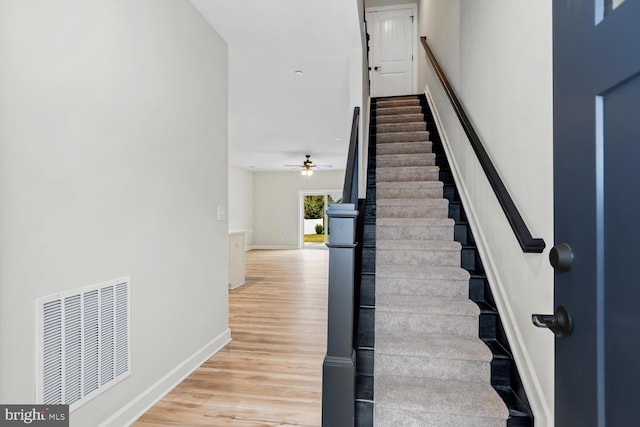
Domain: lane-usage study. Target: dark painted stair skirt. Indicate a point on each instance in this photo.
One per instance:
(411, 202)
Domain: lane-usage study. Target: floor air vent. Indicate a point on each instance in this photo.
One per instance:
(83, 342)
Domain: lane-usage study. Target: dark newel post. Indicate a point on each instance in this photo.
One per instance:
(338, 369)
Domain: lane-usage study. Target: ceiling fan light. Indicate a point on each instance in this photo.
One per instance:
(309, 172)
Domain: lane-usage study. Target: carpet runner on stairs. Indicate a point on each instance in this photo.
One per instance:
(431, 369)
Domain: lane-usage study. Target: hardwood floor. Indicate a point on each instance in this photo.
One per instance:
(271, 372)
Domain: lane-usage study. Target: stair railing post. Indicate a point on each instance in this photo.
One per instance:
(339, 368)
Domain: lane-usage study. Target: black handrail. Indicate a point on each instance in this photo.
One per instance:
(350, 189)
(527, 242)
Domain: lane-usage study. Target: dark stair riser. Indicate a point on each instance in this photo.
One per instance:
(469, 258)
(445, 175)
(364, 413)
(456, 212)
(364, 362)
(367, 290)
(369, 259)
(364, 388)
(366, 297)
(461, 234)
(450, 192)
(370, 210)
(371, 194)
(369, 233)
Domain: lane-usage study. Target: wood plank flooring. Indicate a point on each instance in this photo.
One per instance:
(271, 372)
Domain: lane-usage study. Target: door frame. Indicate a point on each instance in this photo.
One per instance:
(414, 45)
(301, 196)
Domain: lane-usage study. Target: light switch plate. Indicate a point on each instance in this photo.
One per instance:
(222, 213)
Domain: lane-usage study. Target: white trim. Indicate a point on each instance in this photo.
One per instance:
(414, 48)
(237, 285)
(258, 247)
(535, 395)
(129, 413)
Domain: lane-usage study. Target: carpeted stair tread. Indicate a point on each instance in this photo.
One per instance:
(410, 185)
(412, 202)
(418, 135)
(408, 173)
(477, 371)
(428, 323)
(412, 208)
(423, 272)
(400, 118)
(396, 97)
(451, 282)
(417, 252)
(413, 147)
(402, 160)
(439, 346)
(398, 103)
(431, 396)
(415, 222)
(413, 256)
(423, 304)
(392, 417)
(410, 190)
(407, 169)
(382, 111)
(415, 229)
(449, 288)
(400, 127)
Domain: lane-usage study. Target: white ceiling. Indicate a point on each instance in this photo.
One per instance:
(275, 116)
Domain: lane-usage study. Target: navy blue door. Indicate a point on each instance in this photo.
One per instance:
(597, 209)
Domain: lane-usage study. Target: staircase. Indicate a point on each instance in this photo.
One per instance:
(431, 368)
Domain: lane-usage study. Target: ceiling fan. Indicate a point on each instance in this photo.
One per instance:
(308, 166)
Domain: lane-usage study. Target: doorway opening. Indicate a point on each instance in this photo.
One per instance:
(315, 228)
(393, 35)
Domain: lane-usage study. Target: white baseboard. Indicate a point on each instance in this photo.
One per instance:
(128, 414)
(530, 381)
(273, 247)
(237, 285)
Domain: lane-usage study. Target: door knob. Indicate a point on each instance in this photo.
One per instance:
(561, 257)
(560, 323)
(377, 68)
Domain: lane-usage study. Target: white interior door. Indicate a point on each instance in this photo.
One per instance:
(391, 33)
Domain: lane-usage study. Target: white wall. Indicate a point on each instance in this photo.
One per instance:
(276, 218)
(113, 158)
(499, 60)
(241, 202)
(365, 103)
(439, 21)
